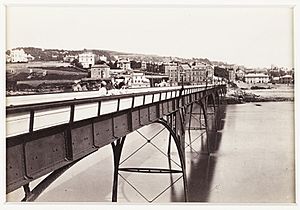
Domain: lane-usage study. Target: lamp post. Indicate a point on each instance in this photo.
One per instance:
(206, 79)
(181, 74)
(182, 86)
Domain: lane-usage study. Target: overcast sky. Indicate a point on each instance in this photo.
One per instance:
(254, 37)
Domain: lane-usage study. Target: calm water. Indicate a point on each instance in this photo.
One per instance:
(252, 160)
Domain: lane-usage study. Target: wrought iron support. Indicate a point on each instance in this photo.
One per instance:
(206, 122)
(218, 99)
(150, 170)
(213, 101)
(117, 150)
(181, 155)
(170, 136)
(32, 195)
(190, 116)
(26, 191)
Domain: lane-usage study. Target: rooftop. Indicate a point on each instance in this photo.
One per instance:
(286, 76)
(185, 67)
(256, 75)
(100, 66)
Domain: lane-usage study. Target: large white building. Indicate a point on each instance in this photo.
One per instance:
(256, 78)
(87, 59)
(18, 56)
(194, 75)
(202, 73)
(139, 80)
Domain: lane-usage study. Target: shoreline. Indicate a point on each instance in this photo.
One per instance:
(239, 96)
(236, 100)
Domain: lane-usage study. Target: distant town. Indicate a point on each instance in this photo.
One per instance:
(32, 70)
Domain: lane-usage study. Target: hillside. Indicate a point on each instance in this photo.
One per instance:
(57, 55)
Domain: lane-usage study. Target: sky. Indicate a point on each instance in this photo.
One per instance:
(250, 36)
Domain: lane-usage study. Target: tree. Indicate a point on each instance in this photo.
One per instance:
(221, 72)
(76, 63)
(135, 65)
(281, 72)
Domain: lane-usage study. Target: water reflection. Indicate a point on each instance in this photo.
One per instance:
(200, 166)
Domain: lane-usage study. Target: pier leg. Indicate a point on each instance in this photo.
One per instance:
(26, 191)
(170, 136)
(117, 150)
(190, 117)
(179, 142)
(214, 101)
(203, 107)
(218, 99)
(200, 118)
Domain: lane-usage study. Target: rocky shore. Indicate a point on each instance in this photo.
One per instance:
(238, 96)
(235, 100)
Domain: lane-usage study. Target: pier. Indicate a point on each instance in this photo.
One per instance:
(51, 136)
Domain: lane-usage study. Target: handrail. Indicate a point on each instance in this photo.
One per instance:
(55, 104)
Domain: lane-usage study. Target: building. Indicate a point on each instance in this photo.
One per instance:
(55, 57)
(256, 78)
(231, 75)
(69, 58)
(18, 56)
(116, 72)
(210, 73)
(143, 65)
(8, 58)
(87, 59)
(198, 74)
(30, 57)
(219, 80)
(124, 64)
(286, 79)
(171, 70)
(103, 58)
(100, 71)
(185, 73)
(202, 73)
(275, 80)
(158, 80)
(240, 74)
(139, 80)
